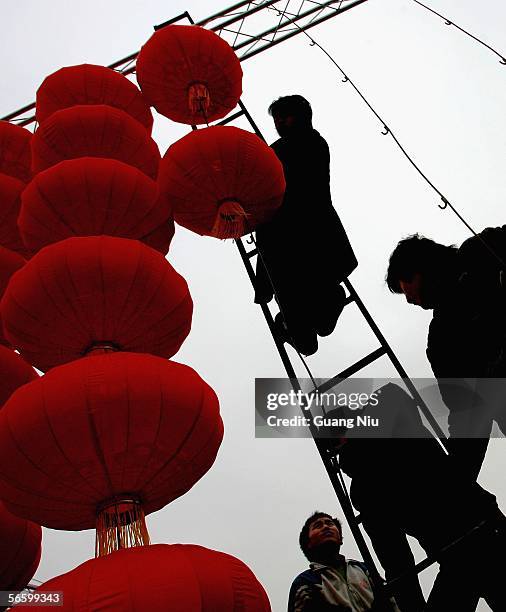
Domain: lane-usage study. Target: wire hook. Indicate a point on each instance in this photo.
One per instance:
(250, 240)
(312, 43)
(445, 203)
(448, 22)
(345, 80)
(503, 61)
(385, 130)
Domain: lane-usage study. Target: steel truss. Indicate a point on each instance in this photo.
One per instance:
(249, 27)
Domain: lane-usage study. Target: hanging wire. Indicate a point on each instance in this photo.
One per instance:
(502, 59)
(387, 131)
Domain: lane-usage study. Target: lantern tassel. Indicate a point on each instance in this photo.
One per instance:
(199, 99)
(120, 524)
(230, 220)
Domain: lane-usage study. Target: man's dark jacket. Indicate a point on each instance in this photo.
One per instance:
(467, 339)
(305, 241)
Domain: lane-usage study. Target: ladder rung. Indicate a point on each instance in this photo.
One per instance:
(252, 253)
(184, 15)
(359, 365)
(231, 118)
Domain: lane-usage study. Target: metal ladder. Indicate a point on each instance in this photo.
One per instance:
(329, 459)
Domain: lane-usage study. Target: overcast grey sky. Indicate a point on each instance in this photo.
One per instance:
(445, 98)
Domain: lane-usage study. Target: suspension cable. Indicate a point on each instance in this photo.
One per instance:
(388, 131)
(502, 59)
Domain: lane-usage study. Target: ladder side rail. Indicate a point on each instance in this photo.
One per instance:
(397, 364)
(349, 513)
(267, 314)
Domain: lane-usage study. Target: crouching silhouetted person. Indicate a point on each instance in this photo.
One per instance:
(332, 583)
(305, 252)
(409, 486)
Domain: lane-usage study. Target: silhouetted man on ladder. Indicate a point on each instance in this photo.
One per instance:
(466, 289)
(303, 251)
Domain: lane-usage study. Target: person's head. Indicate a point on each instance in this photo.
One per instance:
(291, 113)
(320, 536)
(422, 270)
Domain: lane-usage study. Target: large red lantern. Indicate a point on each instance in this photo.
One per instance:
(88, 197)
(83, 293)
(10, 262)
(10, 202)
(14, 372)
(15, 155)
(104, 440)
(94, 131)
(221, 181)
(20, 550)
(189, 74)
(91, 84)
(177, 577)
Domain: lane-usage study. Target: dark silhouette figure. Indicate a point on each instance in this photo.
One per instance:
(304, 247)
(408, 486)
(467, 335)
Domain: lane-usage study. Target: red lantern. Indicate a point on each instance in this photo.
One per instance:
(20, 549)
(107, 437)
(15, 372)
(90, 84)
(221, 181)
(178, 577)
(10, 202)
(161, 237)
(94, 131)
(189, 74)
(15, 155)
(10, 262)
(90, 197)
(82, 293)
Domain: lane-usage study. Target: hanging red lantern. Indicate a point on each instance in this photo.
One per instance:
(105, 440)
(15, 154)
(10, 203)
(94, 131)
(221, 181)
(10, 262)
(161, 237)
(15, 372)
(82, 293)
(20, 546)
(189, 74)
(161, 577)
(91, 84)
(89, 197)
